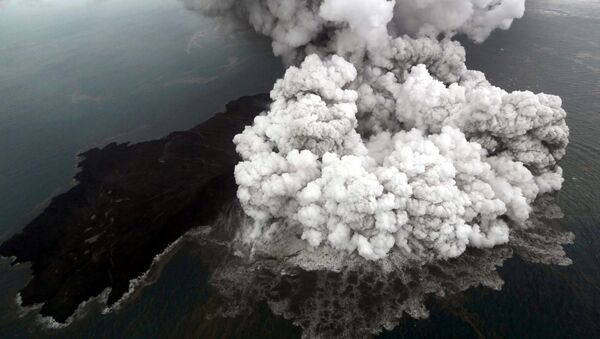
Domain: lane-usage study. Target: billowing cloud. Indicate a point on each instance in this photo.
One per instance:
(474, 18)
(380, 139)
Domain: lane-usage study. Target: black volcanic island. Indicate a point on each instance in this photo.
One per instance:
(130, 203)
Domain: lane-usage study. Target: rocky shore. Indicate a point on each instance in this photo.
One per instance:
(130, 203)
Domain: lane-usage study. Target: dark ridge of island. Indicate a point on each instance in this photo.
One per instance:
(130, 203)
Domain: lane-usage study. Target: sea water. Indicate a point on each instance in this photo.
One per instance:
(87, 73)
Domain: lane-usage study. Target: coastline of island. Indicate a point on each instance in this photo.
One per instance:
(130, 203)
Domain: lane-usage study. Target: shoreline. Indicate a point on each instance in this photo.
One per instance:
(129, 206)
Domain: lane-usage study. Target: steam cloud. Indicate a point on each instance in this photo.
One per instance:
(380, 139)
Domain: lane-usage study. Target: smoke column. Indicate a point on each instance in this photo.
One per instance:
(380, 140)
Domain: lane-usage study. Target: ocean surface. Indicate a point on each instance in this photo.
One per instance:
(76, 74)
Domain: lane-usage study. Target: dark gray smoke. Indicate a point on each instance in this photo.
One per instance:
(363, 298)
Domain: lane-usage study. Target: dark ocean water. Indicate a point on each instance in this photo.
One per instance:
(77, 74)
(61, 92)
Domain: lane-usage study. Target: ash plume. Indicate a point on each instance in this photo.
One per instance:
(379, 140)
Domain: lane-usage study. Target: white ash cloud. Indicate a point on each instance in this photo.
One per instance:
(474, 18)
(382, 140)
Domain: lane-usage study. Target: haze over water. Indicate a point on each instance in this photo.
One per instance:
(80, 74)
